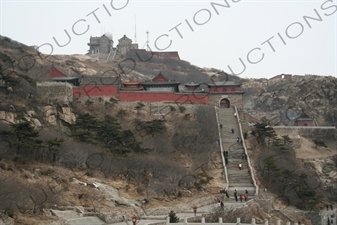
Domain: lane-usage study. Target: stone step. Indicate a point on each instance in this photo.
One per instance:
(65, 214)
(238, 179)
(242, 185)
(85, 221)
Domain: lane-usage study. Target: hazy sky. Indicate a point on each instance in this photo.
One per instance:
(270, 37)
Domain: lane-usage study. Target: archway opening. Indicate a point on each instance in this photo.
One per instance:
(224, 103)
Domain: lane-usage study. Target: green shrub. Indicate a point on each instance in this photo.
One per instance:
(88, 102)
(182, 109)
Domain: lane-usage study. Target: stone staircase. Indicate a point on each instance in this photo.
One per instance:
(237, 179)
(111, 55)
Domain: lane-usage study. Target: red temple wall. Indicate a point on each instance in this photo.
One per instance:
(96, 91)
(303, 122)
(159, 96)
(131, 96)
(223, 89)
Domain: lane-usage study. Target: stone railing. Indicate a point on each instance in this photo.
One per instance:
(299, 127)
(238, 222)
(244, 147)
(221, 149)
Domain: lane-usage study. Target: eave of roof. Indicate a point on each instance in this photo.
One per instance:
(65, 78)
(226, 93)
(159, 83)
(304, 119)
(224, 84)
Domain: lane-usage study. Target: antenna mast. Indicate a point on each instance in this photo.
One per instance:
(135, 29)
(147, 40)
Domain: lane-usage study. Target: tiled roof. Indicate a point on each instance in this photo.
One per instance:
(304, 116)
(95, 80)
(224, 83)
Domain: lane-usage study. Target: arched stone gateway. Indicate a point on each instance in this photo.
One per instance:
(224, 103)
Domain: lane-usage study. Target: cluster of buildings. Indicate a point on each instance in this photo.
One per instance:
(159, 89)
(105, 45)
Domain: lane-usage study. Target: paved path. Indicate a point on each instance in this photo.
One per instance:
(238, 179)
(74, 218)
(326, 215)
(186, 214)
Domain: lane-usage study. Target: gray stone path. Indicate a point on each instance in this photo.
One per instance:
(74, 218)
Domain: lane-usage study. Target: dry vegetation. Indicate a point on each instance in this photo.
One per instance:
(278, 161)
(169, 172)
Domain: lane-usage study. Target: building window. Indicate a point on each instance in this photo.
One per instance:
(233, 89)
(224, 89)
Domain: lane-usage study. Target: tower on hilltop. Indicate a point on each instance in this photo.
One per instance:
(101, 45)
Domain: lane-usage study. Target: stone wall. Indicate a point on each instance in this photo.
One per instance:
(234, 99)
(305, 131)
(221, 222)
(105, 45)
(62, 92)
(124, 45)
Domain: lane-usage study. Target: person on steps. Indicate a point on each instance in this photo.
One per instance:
(226, 194)
(240, 166)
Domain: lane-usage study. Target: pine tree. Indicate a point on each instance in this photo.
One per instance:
(85, 128)
(270, 168)
(262, 131)
(24, 135)
(173, 217)
(155, 126)
(121, 114)
(319, 143)
(54, 146)
(139, 106)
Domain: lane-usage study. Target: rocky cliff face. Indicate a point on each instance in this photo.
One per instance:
(282, 101)
(41, 115)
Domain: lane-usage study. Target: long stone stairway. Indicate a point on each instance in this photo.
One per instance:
(237, 179)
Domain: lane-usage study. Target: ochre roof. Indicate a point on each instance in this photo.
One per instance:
(132, 81)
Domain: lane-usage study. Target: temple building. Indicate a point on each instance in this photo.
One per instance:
(125, 45)
(304, 120)
(161, 84)
(101, 45)
(192, 86)
(58, 75)
(132, 85)
(222, 94)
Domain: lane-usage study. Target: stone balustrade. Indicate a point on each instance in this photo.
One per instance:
(238, 222)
